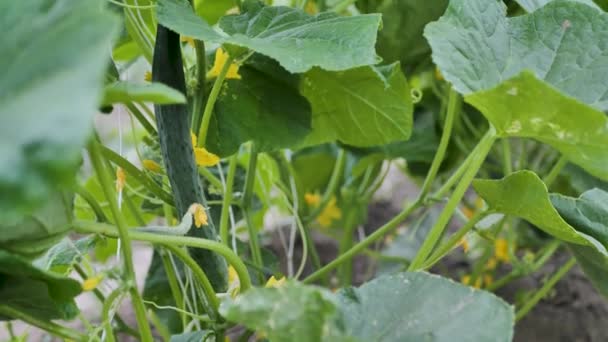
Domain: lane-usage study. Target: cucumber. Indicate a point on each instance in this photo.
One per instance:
(173, 122)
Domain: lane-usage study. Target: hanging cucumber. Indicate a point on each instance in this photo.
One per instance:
(175, 142)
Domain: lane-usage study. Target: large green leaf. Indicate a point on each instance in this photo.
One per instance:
(34, 234)
(124, 92)
(366, 106)
(578, 131)
(54, 56)
(292, 312)
(213, 10)
(423, 307)
(261, 108)
(477, 47)
(403, 22)
(589, 214)
(533, 5)
(325, 40)
(524, 195)
(37, 293)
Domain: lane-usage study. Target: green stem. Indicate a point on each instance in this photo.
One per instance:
(362, 245)
(50, 327)
(123, 233)
(256, 253)
(445, 188)
(506, 157)
(171, 272)
(479, 155)
(107, 307)
(122, 326)
(453, 108)
(227, 200)
(454, 240)
(141, 119)
(201, 78)
(166, 240)
(555, 171)
(215, 91)
(136, 173)
(346, 269)
(86, 195)
(202, 279)
(544, 290)
(332, 186)
(216, 182)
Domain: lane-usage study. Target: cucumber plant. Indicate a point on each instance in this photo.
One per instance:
(284, 119)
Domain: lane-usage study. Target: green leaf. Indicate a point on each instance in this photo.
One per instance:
(124, 92)
(64, 255)
(581, 181)
(141, 24)
(533, 5)
(419, 306)
(477, 47)
(43, 295)
(589, 214)
(325, 40)
(292, 312)
(514, 109)
(524, 195)
(213, 10)
(366, 106)
(403, 22)
(34, 234)
(48, 94)
(261, 108)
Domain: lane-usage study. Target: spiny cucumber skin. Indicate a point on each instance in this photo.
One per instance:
(174, 134)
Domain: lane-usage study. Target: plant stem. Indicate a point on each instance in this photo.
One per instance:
(215, 91)
(227, 200)
(346, 269)
(454, 240)
(453, 178)
(202, 278)
(201, 78)
(332, 186)
(544, 290)
(362, 245)
(506, 157)
(216, 182)
(136, 173)
(453, 108)
(52, 328)
(479, 155)
(171, 272)
(107, 307)
(166, 240)
(141, 118)
(555, 171)
(256, 253)
(86, 195)
(123, 234)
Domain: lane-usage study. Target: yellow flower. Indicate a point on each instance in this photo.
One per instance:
(234, 283)
(150, 165)
(491, 264)
(501, 250)
(148, 76)
(204, 157)
(313, 200)
(330, 213)
(221, 57)
(488, 280)
(199, 214)
(466, 279)
(465, 245)
(273, 282)
(91, 284)
(468, 212)
(187, 39)
(121, 179)
(233, 277)
(201, 155)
